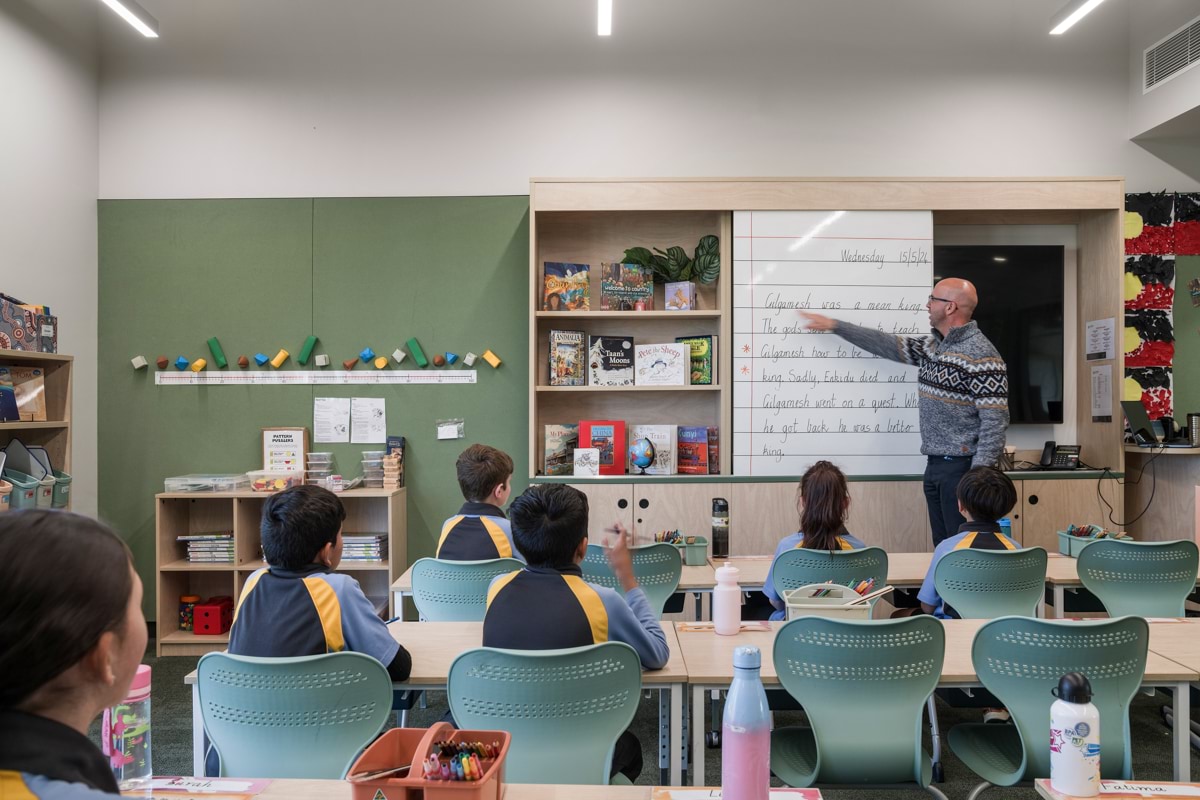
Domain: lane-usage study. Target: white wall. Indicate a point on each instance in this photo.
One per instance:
(48, 184)
(279, 98)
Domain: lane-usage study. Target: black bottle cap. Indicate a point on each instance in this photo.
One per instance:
(1073, 688)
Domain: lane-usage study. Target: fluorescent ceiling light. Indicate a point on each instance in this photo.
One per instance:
(136, 16)
(1071, 13)
(604, 18)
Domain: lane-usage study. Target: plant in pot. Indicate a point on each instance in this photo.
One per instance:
(673, 264)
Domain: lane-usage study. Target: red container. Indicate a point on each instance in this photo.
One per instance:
(213, 617)
(400, 746)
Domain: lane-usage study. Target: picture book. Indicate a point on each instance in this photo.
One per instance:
(586, 462)
(560, 442)
(663, 364)
(8, 398)
(607, 436)
(664, 441)
(693, 449)
(568, 358)
(680, 296)
(704, 358)
(610, 360)
(29, 384)
(566, 286)
(626, 287)
(714, 450)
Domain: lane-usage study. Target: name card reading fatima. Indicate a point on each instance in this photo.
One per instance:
(801, 396)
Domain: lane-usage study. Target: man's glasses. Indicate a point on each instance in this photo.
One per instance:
(940, 299)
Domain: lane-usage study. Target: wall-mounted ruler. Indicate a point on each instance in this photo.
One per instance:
(315, 378)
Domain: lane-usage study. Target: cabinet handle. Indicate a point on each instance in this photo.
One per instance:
(643, 503)
(622, 503)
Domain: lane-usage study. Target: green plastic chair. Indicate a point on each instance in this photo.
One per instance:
(985, 584)
(657, 568)
(304, 717)
(564, 708)
(1143, 579)
(801, 566)
(456, 591)
(1020, 660)
(863, 685)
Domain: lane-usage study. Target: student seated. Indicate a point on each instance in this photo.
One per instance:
(823, 500)
(298, 605)
(548, 605)
(71, 638)
(480, 531)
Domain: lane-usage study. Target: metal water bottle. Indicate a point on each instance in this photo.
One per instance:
(720, 527)
(746, 731)
(1074, 738)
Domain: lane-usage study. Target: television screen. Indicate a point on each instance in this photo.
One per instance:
(1021, 312)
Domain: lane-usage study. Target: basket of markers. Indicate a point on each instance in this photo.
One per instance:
(841, 601)
(431, 763)
(692, 549)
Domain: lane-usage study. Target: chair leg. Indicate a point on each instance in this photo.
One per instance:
(978, 790)
(935, 738)
(936, 792)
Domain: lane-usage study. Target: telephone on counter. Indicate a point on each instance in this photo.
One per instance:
(1059, 456)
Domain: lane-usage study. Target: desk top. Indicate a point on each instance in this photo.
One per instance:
(1178, 641)
(691, 579)
(291, 789)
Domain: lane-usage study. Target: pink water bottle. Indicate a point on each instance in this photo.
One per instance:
(746, 732)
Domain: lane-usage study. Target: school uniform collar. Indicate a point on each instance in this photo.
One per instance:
(303, 572)
(569, 569)
(473, 509)
(979, 527)
(40, 746)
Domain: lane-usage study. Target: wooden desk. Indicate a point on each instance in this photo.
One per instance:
(1157, 789)
(291, 789)
(435, 645)
(709, 660)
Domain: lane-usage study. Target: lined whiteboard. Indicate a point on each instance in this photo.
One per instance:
(801, 396)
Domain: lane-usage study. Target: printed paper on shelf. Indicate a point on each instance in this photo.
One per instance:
(586, 462)
(663, 438)
(663, 364)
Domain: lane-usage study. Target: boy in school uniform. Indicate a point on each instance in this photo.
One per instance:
(548, 605)
(480, 531)
(985, 494)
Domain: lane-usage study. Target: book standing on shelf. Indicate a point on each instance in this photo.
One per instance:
(692, 448)
(663, 364)
(8, 398)
(560, 444)
(703, 358)
(626, 287)
(29, 384)
(680, 296)
(568, 358)
(714, 450)
(610, 360)
(607, 436)
(663, 439)
(566, 287)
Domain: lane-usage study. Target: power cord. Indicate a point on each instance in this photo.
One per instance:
(1126, 481)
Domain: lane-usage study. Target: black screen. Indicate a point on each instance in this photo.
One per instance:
(1021, 312)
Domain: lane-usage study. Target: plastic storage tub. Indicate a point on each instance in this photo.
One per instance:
(6, 492)
(62, 489)
(801, 603)
(266, 480)
(199, 482)
(1070, 545)
(45, 492)
(24, 491)
(400, 746)
(693, 550)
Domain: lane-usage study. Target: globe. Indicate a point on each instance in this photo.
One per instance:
(641, 454)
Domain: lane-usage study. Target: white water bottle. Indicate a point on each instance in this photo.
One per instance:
(1074, 738)
(727, 602)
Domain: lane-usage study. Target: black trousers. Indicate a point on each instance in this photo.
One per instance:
(942, 474)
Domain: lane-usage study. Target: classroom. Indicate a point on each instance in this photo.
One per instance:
(739, 350)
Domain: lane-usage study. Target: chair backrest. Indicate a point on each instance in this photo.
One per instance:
(1020, 660)
(1145, 579)
(863, 685)
(305, 717)
(456, 591)
(656, 566)
(801, 566)
(985, 584)
(564, 708)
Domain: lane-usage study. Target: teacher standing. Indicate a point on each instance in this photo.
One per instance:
(963, 388)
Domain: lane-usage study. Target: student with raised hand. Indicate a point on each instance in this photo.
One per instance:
(71, 637)
(823, 501)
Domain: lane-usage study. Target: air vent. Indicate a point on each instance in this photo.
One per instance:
(1176, 53)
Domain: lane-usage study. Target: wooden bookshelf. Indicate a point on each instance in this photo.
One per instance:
(55, 433)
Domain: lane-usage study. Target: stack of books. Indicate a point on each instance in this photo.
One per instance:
(209, 548)
(364, 548)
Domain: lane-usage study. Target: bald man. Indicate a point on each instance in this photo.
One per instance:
(963, 387)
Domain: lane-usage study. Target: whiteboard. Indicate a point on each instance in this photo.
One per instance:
(801, 396)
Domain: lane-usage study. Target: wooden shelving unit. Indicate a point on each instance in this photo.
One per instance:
(181, 513)
(55, 433)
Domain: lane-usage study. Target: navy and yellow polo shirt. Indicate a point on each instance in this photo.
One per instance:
(971, 535)
(543, 608)
(479, 531)
(845, 541)
(307, 612)
(41, 759)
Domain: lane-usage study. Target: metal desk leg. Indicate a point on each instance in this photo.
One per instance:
(698, 735)
(664, 744)
(699, 605)
(1182, 732)
(1059, 611)
(676, 735)
(198, 736)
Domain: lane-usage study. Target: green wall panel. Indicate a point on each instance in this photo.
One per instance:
(1186, 321)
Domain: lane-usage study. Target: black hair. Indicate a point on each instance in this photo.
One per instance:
(826, 498)
(67, 581)
(548, 522)
(297, 523)
(481, 468)
(986, 493)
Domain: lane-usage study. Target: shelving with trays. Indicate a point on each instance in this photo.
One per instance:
(55, 433)
(367, 510)
(596, 236)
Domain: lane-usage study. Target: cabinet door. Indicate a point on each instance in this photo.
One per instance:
(760, 514)
(686, 507)
(1049, 506)
(607, 503)
(890, 514)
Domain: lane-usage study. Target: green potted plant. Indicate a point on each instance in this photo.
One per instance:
(674, 264)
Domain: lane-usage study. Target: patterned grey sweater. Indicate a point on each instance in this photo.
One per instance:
(963, 385)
